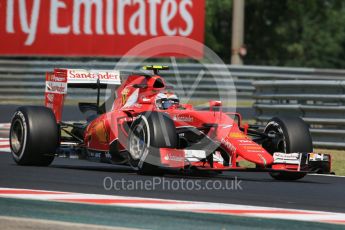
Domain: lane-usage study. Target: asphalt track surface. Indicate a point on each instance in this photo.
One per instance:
(319, 193)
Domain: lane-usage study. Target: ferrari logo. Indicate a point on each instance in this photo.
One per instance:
(124, 95)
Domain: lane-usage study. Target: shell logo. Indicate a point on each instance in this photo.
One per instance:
(100, 132)
(237, 135)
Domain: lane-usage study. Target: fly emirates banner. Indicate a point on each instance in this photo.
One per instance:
(95, 27)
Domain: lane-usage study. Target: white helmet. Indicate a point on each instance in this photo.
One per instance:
(166, 100)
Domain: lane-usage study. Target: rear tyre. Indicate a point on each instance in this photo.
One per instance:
(34, 136)
(148, 133)
(292, 135)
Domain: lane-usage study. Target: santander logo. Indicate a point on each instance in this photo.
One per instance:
(101, 75)
(81, 76)
(90, 75)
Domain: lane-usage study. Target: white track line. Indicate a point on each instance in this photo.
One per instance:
(176, 205)
(8, 222)
(327, 175)
(5, 126)
(4, 145)
(6, 150)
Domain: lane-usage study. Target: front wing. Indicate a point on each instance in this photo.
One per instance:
(294, 162)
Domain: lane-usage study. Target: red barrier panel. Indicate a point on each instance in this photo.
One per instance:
(94, 27)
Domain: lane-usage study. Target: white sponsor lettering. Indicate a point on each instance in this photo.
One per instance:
(28, 27)
(153, 16)
(84, 76)
(172, 157)
(183, 118)
(137, 22)
(110, 18)
(121, 15)
(195, 155)
(287, 158)
(56, 87)
(87, 5)
(58, 79)
(10, 16)
(254, 151)
(31, 28)
(54, 18)
(245, 141)
(167, 16)
(228, 145)
(187, 17)
(101, 17)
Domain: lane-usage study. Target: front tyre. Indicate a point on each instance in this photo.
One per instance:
(34, 136)
(291, 136)
(148, 133)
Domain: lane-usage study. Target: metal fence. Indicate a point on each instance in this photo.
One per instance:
(321, 103)
(24, 79)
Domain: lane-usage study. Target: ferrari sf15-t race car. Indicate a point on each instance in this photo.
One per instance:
(148, 129)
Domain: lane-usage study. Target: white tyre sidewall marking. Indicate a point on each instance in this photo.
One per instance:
(146, 152)
(280, 130)
(22, 118)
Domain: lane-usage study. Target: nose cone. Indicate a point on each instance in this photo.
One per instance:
(250, 150)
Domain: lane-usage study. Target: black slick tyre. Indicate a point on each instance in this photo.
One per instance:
(34, 136)
(292, 136)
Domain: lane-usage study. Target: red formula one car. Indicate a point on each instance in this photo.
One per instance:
(147, 128)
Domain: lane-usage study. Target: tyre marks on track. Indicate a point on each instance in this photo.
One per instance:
(175, 205)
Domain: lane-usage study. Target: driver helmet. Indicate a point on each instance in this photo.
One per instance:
(166, 100)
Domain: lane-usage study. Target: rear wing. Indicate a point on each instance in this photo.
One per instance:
(58, 82)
